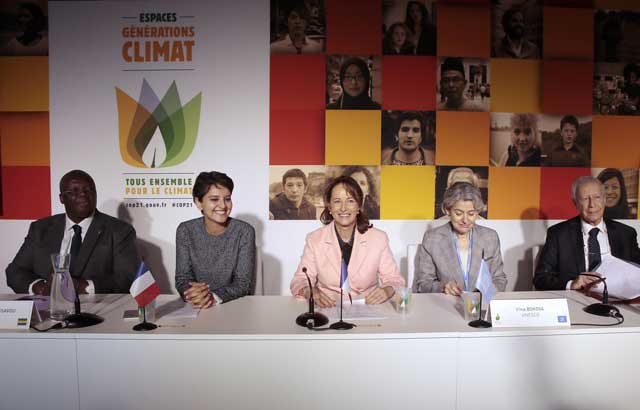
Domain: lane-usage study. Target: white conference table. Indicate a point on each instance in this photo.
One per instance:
(249, 354)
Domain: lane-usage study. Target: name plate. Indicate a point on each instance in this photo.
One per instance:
(530, 312)
(15, 314)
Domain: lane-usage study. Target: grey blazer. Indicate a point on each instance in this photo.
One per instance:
(108, 255)
(437, 262)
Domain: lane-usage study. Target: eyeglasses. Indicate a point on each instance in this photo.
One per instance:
(517, 131)
(407, 129)
(76, 192)
(357, 78)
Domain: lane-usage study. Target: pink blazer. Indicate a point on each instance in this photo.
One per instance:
(371, 263)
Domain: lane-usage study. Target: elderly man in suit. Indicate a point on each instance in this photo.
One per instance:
(576, 246)
(104, 257)
(450, 256)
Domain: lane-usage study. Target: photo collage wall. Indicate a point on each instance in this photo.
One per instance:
(409, 97)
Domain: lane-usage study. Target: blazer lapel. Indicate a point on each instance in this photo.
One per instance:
(576, 237)
(89, 243)
(358, 254)
(55, 234)
(449, 253)
(332, 249)
(615, 241)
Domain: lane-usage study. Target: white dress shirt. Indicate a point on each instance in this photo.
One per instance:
(603, 241)
(65, 245)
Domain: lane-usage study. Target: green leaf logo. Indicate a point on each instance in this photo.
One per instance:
(157, 133)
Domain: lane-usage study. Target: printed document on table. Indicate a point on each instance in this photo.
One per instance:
(623, 278)
(359, 310)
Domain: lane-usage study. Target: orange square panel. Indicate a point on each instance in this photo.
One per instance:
(462, 138)
(515, 193)
(24, 139)
(615, 142)
(515, 85)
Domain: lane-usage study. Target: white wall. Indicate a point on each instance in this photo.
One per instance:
(233, 74)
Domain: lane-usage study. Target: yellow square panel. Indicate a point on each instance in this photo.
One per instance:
(515, 193)
(24, 138)
(515, 85)
(407, 192)
(352, 137)
(25, 83)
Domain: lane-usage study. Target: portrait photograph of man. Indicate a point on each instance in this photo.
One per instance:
(408, 138)
(296, 192)
(463, 84)
(517, 29)
(297, 27)
(566, 140)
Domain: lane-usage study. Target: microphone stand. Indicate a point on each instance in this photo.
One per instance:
(81, 319)
(604, 308)
(311, 318)
(340, 325)
(481, 323)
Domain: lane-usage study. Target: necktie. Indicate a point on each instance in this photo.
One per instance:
(594, 249)
(76, 242)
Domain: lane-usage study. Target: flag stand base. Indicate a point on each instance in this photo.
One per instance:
(145, 326)
(480, 323)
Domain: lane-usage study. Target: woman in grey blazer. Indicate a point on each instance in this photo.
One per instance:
(449, 258)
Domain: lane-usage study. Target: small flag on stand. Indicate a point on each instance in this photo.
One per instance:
(144, 288)
(484, 283)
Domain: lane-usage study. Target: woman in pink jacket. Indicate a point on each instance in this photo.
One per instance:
(348, 247)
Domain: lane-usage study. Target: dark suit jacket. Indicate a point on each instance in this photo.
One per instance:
(562, 257)
(108, 255)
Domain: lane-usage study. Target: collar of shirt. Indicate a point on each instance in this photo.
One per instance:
(68, 231)
(588, 227)
(603, 239)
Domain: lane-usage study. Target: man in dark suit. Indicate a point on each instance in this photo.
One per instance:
(104, 257)
(576, 246)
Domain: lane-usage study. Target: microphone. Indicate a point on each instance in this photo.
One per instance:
(604, 308)
(311, 318)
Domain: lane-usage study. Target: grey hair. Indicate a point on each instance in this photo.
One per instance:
(582, 181)
(462, 191)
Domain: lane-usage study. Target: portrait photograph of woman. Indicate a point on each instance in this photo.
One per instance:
(620, 191)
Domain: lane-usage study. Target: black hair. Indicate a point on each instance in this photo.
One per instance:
(205, 180)
(294, 173)
(75, 174)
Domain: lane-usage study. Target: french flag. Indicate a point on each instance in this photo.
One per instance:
(144, 288)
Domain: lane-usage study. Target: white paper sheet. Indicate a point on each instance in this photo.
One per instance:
(623, 278)
(359, 310)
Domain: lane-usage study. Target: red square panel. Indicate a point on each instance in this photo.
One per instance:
(297, 137)
(567, 87)
(297, 82)
(569, 3)
(568, 41)
(555, 192)
(26, 192)
(354, 27)
(409, 83)
(465, 2)
(464, 30)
